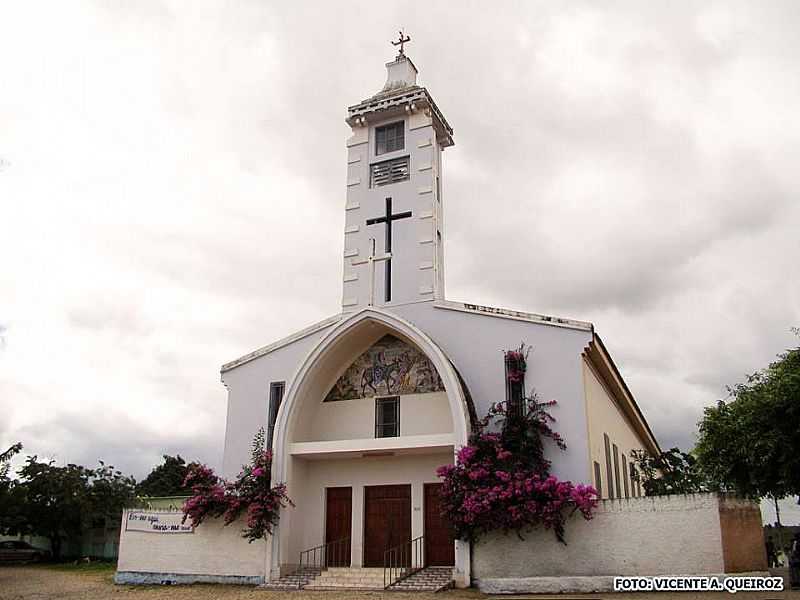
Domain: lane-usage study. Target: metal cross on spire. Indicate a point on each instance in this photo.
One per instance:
(403, 39)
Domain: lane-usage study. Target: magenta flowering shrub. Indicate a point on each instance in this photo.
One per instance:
(251, 494)
(208, 494)
(501, 479)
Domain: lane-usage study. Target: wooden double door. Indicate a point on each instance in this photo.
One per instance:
(387, 520)
(387, 524)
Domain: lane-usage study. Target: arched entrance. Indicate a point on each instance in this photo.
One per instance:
(393, 470)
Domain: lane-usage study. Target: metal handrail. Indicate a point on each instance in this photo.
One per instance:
(403, 561)
(319, 557)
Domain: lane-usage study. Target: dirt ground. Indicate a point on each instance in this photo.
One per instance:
(94, 582)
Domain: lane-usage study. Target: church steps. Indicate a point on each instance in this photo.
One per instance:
(430, 579)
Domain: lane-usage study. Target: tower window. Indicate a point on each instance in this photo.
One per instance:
(387, 417)
(598, 482)
(389, 138)
(625, 476)
(389, 171)
(609, 468)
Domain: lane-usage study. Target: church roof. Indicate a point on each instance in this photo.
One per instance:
(298, 335)
(489, 311)
(599, 357)
(517, 315)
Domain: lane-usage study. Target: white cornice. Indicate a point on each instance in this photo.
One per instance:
(505, 313)
(402, 444)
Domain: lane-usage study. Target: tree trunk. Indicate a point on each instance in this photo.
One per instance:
(778, 524)
(55, 546)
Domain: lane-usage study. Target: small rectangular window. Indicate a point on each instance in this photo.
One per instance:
(389, 138)
(617, 486)
(387, 417)
(625, 476)
(598, 482)
(515, 390)
(389, 171)
(609, 468)
(632, 473)
(275, 398)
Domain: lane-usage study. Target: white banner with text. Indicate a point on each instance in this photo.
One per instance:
(157, 522)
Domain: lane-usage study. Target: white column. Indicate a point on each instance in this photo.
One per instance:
(417, 501)
(417, 515)
(462, 575)
(357, 536)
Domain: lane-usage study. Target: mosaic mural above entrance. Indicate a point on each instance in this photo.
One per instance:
(389, 367)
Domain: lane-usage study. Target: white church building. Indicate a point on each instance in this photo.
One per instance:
(363, 407)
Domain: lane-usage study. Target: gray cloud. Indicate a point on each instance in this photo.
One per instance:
(173, 183)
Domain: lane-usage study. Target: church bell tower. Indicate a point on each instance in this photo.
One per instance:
(393, 214)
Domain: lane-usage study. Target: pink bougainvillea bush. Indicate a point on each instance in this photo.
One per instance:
(501, 479)
(251, 494)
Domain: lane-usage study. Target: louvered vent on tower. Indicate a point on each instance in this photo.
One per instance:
(390, 171)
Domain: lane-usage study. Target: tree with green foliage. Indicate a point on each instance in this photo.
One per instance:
(5, 460)
(671, 472)
(166, 479)
(109, 492)
(750, 444)
(9, 496)
(61, 502)
(54, 501)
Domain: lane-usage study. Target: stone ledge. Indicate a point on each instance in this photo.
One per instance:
(147, 578)
(587, 584)
(546, 585)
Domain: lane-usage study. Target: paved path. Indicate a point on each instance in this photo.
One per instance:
(43, 582)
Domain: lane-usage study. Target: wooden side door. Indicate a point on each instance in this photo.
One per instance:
(439, 548)
(387, 520)
(338, 525)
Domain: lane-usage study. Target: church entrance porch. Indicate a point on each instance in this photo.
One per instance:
(375, 503)
(334, 430)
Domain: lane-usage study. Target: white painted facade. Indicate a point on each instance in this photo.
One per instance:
(318, 444)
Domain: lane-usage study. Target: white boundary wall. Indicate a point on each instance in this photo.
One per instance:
(213, 553)
(666, 535)
(699, 534)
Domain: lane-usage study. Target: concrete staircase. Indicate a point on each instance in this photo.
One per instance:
(429, 579)
(348, 578)
(294, 581)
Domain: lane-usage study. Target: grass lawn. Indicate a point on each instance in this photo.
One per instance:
(94, 568)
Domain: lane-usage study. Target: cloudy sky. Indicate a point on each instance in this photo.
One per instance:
(172, 178)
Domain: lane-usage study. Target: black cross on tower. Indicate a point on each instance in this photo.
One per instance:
(404, 39)
(388, 218)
